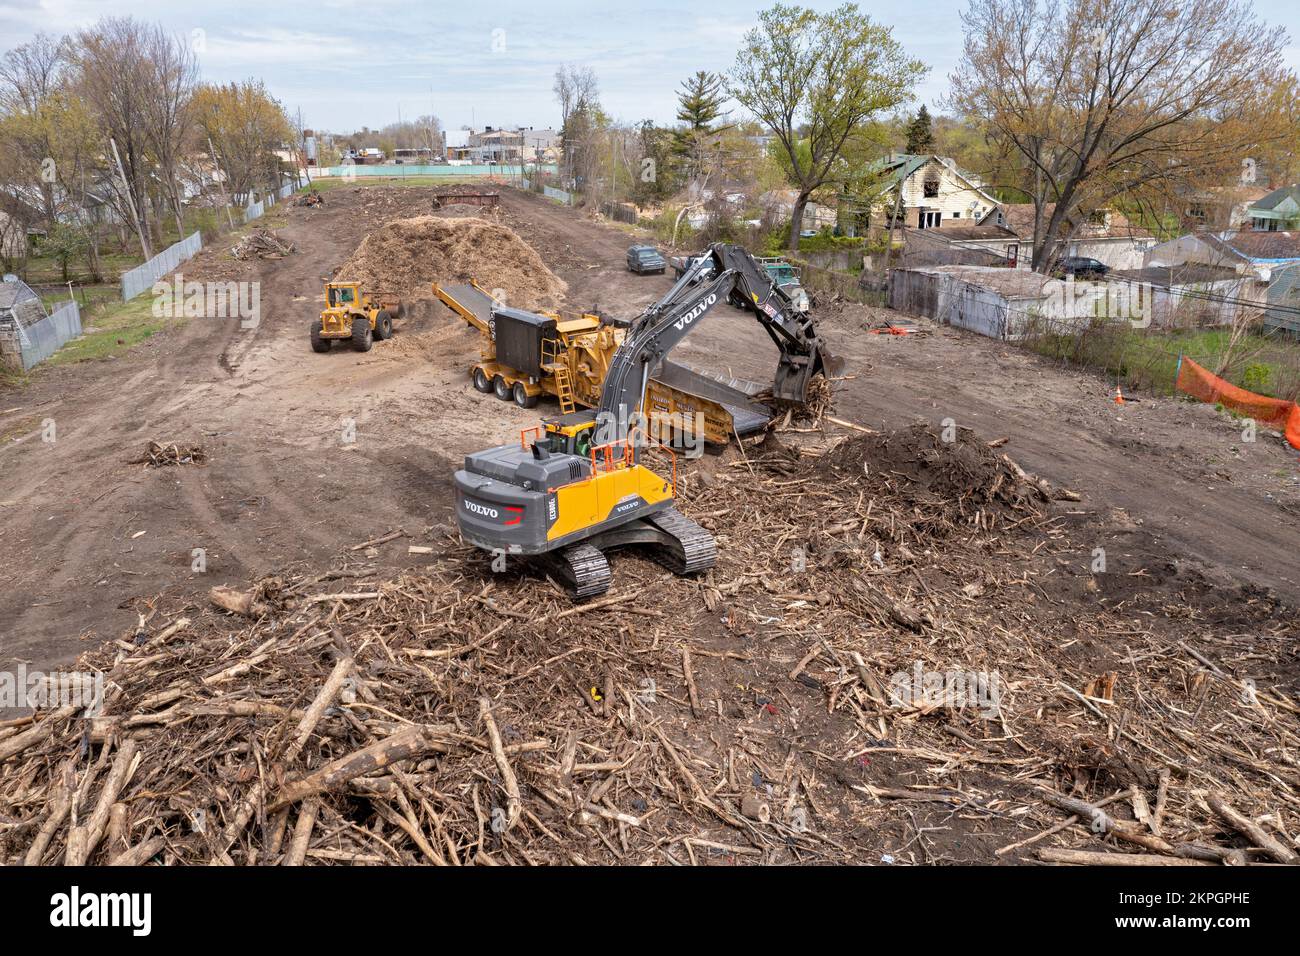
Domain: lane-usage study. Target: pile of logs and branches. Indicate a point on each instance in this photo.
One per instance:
(163, 454)
(778, 708)
(261, 244)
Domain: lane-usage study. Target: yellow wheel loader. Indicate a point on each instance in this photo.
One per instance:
(350, 313)
(580, 484)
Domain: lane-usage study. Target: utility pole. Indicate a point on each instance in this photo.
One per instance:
(225, 195)
(302, 148)
(130, 201)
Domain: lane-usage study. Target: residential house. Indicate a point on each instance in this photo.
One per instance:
(513, 146)
(1277, 211)
(1221, 207)
(496, 146)
(778, 206)
(1267, 261)
(935, 194)
(18, 226)
(1106, 235)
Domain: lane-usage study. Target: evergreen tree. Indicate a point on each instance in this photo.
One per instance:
(920, 137)
(700, 103)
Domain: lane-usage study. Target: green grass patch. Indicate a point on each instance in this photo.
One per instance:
(111, 332)
(1266, 365)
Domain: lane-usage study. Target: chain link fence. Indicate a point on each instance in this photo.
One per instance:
(39, 341)
(143, 276)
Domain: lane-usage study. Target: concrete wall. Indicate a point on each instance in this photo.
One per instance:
(948, 299)
(1120, 253)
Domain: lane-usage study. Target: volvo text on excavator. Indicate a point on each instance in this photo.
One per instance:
(578, 485)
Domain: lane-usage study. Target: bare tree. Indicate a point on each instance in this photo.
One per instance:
(31, 77)
(172, 74)
(578, 95)
(1106, 99)
(115, 79)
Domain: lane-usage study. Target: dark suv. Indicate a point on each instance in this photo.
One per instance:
(1082, 267)
(643, 259)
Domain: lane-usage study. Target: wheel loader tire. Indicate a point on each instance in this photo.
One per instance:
(501, 388)
(383, 326)
(522, 398)
(318, 344)
(362, 335)
(481, 382)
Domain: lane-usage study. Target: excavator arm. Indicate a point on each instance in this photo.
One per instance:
(729, 273)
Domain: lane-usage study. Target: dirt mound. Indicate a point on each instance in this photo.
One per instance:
(962, 470)
(407, 255)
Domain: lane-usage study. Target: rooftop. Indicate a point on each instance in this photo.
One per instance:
(1277, 197)
(1019, 218)
(1188, 273)
(1256, 244)
(1011, 283)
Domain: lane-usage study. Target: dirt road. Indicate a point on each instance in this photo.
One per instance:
(1178, 471)
(311, 454)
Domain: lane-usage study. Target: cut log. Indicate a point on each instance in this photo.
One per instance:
(413, 741)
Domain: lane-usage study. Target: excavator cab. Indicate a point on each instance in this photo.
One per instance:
(571, 434)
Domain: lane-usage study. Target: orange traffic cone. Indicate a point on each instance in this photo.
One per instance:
(1119, 396)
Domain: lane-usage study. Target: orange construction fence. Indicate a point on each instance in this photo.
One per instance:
(1208, 387)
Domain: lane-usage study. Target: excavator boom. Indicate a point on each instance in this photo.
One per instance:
(726, 273)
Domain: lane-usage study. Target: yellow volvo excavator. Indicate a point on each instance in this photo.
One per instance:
(579, 484)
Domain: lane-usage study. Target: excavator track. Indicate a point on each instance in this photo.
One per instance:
(583, 569)
(692, 547)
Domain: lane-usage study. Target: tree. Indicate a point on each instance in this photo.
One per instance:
(115, 78)
(920, 136)
(653, 179)
(819, 77)
(1113, 100)
(700, 102)
(50, 160)
(576, 92)
(171, 76)
(246, 125)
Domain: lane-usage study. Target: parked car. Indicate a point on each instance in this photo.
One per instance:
(643, 259)
(1082, 267)
(681, 263)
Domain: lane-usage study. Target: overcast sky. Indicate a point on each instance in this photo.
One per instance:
(348, 63)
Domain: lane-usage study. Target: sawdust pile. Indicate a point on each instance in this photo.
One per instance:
(407, 255)
(751, 715)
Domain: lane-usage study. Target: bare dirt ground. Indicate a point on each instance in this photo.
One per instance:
(1198, 529)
